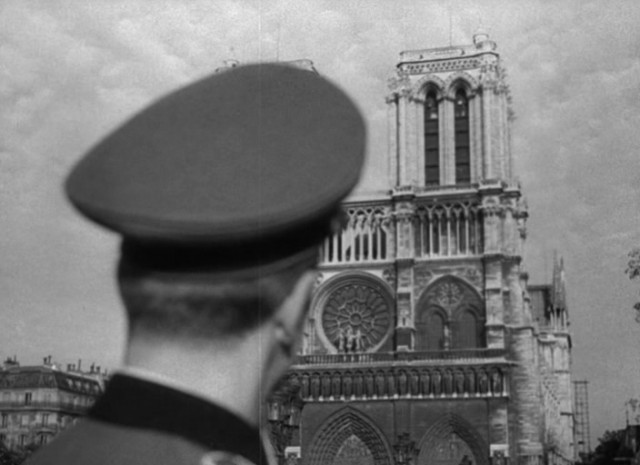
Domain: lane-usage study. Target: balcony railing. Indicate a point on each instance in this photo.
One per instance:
(448, 230)
(44, 405)
(365, 238)
(460, 355)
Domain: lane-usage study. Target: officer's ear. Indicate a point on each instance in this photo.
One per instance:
(289, 317)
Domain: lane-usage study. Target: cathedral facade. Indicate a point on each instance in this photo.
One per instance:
(425, 343)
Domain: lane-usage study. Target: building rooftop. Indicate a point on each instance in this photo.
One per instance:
(49, 376)
(481, 44)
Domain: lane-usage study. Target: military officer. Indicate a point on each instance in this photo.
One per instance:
(222, 192)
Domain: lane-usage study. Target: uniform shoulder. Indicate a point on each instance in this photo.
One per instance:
(224, 458)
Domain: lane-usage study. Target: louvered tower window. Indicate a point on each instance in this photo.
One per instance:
(431, 136)
(463, 166)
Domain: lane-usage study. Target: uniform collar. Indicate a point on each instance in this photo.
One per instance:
(141, 403)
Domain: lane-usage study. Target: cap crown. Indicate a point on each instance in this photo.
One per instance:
(253, 151)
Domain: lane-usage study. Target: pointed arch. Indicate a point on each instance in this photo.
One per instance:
(462, 138)
(455, 436)
(430, 81)
(461, 307)
(429, 91)
(348, 428)
(460, 79)
(431, 129)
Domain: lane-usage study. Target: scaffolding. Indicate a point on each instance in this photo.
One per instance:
(581, 433)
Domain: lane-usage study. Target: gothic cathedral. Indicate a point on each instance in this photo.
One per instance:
(425, 344)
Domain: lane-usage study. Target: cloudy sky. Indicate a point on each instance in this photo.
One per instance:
(72, 70)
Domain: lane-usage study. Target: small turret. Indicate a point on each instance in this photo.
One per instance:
(482, 41)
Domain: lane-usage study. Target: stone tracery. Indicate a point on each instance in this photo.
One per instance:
(448, 230)
(349, 436)
(356, 317)
(461, 316)
(364, 237)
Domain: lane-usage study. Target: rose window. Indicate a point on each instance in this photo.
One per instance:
(356, 318)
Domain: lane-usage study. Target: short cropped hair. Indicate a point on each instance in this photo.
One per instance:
(179, 307)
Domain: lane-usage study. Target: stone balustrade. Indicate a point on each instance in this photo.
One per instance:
(372, 358)
(366, 236)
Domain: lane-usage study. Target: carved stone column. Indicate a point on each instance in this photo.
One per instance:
(405, 225)
(392, 120)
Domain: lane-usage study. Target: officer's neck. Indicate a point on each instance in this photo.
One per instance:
(235, 375)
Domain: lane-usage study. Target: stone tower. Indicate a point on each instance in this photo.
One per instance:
(423, 342)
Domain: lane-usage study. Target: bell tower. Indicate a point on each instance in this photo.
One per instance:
(423, 341)
(451, 166)
(449, 117)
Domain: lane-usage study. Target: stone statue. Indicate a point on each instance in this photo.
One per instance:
(326, 385)
(368, 384)
(357, 385)
(424, 383)
(458, 379)
(342, 348)
(315, 386)
(305, 386)
(414, 383)
(448, 382)
(470, 382)
(496, 382)
(391, 384)
(335, 385)
(483, 382)
(402, 383)
(347, 382)
(380, 384)
(436, 383)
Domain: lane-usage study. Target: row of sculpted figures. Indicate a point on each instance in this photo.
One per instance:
(425, 382)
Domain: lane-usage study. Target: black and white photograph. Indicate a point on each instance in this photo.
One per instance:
(320, 232)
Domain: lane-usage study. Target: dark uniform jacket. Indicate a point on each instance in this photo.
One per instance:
(143, 423)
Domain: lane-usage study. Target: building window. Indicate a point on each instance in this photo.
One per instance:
(45, 419)
(4, 420)
(468, 332)
(431, 140)
(27, 398)
(23, 440)
(450, 315)
(431, 329)
(463, 165)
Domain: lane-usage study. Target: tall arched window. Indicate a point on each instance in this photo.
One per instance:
(431, 140)
(450, 314)
(468, 334)
(463, 165)
(435, 337)
(430, 328)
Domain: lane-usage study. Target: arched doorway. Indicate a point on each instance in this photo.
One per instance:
(349, 438)
(452, 441)
(451, 450)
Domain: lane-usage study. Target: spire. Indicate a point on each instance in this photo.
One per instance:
(558, 295)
